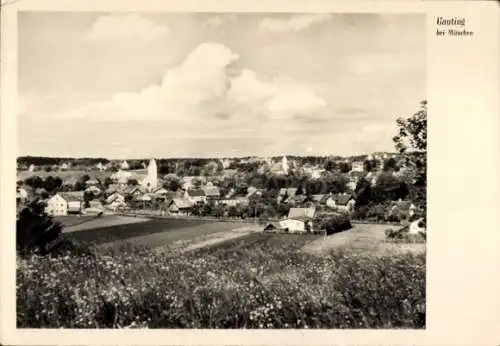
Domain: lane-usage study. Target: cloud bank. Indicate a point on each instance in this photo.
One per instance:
(206, 87)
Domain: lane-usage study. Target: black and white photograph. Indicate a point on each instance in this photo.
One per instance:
(221, 170)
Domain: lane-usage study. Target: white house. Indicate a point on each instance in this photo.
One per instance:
(180, 206)
(345, 202)
(115, 201)
(292, 225)
(65, 166)
(74, 200)
(56, 206)
(124, 165)
(358, 166)
(31, 168)
(100, 167)
(115, 196)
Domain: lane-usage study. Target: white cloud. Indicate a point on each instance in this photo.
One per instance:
(201, 91)
(293, 23)
(126, 27)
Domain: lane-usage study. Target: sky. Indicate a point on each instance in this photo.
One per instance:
(135, 85)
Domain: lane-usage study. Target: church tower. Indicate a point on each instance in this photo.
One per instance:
(151, 180)
(284, 165)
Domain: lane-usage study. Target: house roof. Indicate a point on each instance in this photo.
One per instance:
(72, 196)
(300, 218)
(343, 199)
(212, 191)
(182, 203)
(318, 198)
(301, 212)
(275, 225)
(196, 193)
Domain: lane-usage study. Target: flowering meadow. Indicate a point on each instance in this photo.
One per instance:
(260, 282)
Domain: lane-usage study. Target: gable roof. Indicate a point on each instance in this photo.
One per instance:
(318, 198)
(343, 199)
(212, 191)
(75, 196)
(301, 212)
(182, 203)
(196, 193)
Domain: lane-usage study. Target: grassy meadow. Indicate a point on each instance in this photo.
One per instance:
(256, 280)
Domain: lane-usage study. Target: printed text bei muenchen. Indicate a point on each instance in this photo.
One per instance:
(452, 26)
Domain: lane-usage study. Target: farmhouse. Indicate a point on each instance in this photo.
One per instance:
(31, 168)
(212, 192)
(74, 200)
(297, 224)
(180, 206)
(124, 165)
(196, 196)
(301, 224)
(56, 206)
(345, 202)
(100, 167)
(115, 201)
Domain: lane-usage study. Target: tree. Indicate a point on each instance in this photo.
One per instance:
(172, 182)
(35, 230)
(132, 182)
(34, 182)
(390, 164)
(344, 167)
(411, 141)
(51, 183)
(412, 134)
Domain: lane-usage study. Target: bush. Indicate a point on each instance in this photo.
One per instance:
(337, 223)
(36, 231)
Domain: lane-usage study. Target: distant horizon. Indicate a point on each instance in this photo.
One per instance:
(195, 157)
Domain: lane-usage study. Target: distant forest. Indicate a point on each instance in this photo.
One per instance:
(90, 161)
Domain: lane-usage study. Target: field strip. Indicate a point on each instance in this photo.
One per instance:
(102, 223)
(218, 238)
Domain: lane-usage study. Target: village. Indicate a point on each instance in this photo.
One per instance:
(115, 188)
